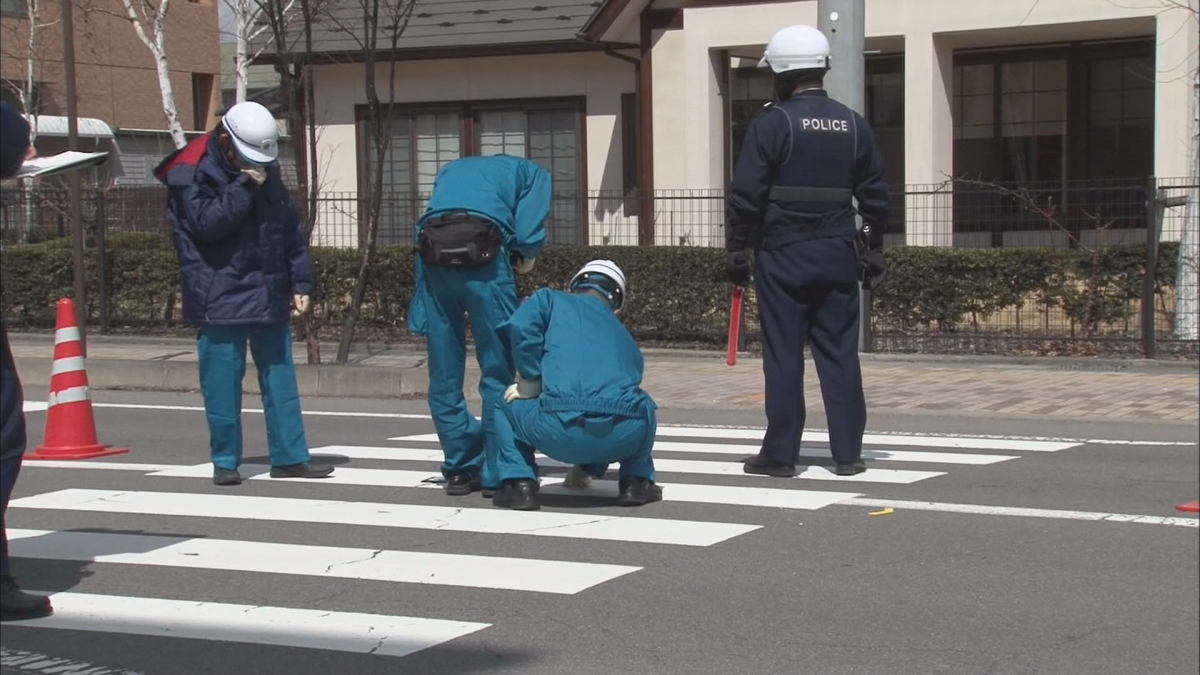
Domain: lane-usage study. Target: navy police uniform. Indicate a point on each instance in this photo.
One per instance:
(803, 161)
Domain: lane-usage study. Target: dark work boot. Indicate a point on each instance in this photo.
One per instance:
(636, 491)
(520, 495)
(302, 470)
(17, 605)
(226, 477)
(765, 466)
(850, 468)
(487, 493)
(459, 483)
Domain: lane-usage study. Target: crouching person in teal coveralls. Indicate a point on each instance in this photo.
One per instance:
(577, 396)
(245, 266)
(484, 220)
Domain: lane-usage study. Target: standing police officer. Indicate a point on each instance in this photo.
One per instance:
(805, 157)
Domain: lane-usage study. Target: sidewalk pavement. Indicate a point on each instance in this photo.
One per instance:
(1043, 387)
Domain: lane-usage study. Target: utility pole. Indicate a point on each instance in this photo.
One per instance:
(76, 206)
(843, 22)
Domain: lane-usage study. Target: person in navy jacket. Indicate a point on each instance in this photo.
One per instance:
(246, 270)
(15, 604)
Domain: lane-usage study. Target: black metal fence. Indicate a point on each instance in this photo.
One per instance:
(1036, 266)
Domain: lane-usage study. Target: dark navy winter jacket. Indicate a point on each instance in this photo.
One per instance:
(242, 253)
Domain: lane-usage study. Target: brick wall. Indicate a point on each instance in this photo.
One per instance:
(115, 75)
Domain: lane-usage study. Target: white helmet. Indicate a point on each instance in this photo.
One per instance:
(796, 48)
(603, 276)
(254, 131)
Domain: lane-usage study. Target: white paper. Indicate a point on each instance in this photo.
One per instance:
(60, 163)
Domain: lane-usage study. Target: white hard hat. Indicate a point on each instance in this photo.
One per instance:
(604, 276)
(796, 48)
(254, 131)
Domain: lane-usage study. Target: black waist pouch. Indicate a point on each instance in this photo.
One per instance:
(459, 239)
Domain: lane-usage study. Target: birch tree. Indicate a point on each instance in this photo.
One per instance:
(376, 21)
(149, 21)
(250, 22)
(22, 42)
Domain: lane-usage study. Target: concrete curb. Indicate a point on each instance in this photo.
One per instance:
(182, 376)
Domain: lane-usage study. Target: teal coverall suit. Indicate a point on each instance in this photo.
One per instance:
(513, 193)
(592, 410)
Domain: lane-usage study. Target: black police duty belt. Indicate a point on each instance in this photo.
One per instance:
(786, 194)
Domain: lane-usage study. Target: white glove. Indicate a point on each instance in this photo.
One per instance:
(522, 389)
(576, 478)
(523, 265)
(256, 174)
(301, 304)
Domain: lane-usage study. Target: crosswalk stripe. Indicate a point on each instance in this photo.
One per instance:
(672, 492)
(442, 569)
(959, 442)
(443, 518)
(280, 626)
(884, 455)
(878, 439)
(702, 467)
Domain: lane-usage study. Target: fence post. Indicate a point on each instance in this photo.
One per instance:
(1154, 214)
(101, 262)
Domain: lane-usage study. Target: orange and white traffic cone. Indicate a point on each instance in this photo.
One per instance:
(70, 426)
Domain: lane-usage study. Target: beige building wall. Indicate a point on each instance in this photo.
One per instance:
(689, 125)
(602, 79)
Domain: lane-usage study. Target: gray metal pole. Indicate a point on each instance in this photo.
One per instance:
(76, 206)
(843, 22)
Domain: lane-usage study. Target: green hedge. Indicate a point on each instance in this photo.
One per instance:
(677, 294)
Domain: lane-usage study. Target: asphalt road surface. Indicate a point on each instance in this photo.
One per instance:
(1011, 547)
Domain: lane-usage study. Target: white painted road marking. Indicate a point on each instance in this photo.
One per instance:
(280, 626)
(672, 492)
(965, 441)
(93, 464)
(487, 520)
(817, 436)
(34, 406)
(879, 439)
(30, 662)
(443, 569)
(690, 466)
(882, 455)
(981, 509)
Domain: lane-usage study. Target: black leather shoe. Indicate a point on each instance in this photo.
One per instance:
(17, 605)
(226, 477)
(520, 495)
(765, 466)
(636, 491)
(459, 484)
(850, 468)
(304, 470)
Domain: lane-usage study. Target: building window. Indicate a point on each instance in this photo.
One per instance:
(425, 140)
(13, 8)
(1120, 117)
(751, 90)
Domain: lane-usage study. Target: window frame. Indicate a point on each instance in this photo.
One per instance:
(467, 110)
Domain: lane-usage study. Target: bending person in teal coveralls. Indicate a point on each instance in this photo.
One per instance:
(484, 219)
(577, 396)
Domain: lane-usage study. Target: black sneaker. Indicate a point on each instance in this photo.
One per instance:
(636, 491)
(459, 483)
(850, 468)
(17, 605)
(302, 470)
(520, 495)
(226, 477)
(765, 466)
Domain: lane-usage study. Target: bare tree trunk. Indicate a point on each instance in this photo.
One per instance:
(379, 129)
(243, 19)
(155, 20)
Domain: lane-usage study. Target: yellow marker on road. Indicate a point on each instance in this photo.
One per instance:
(884, 512)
